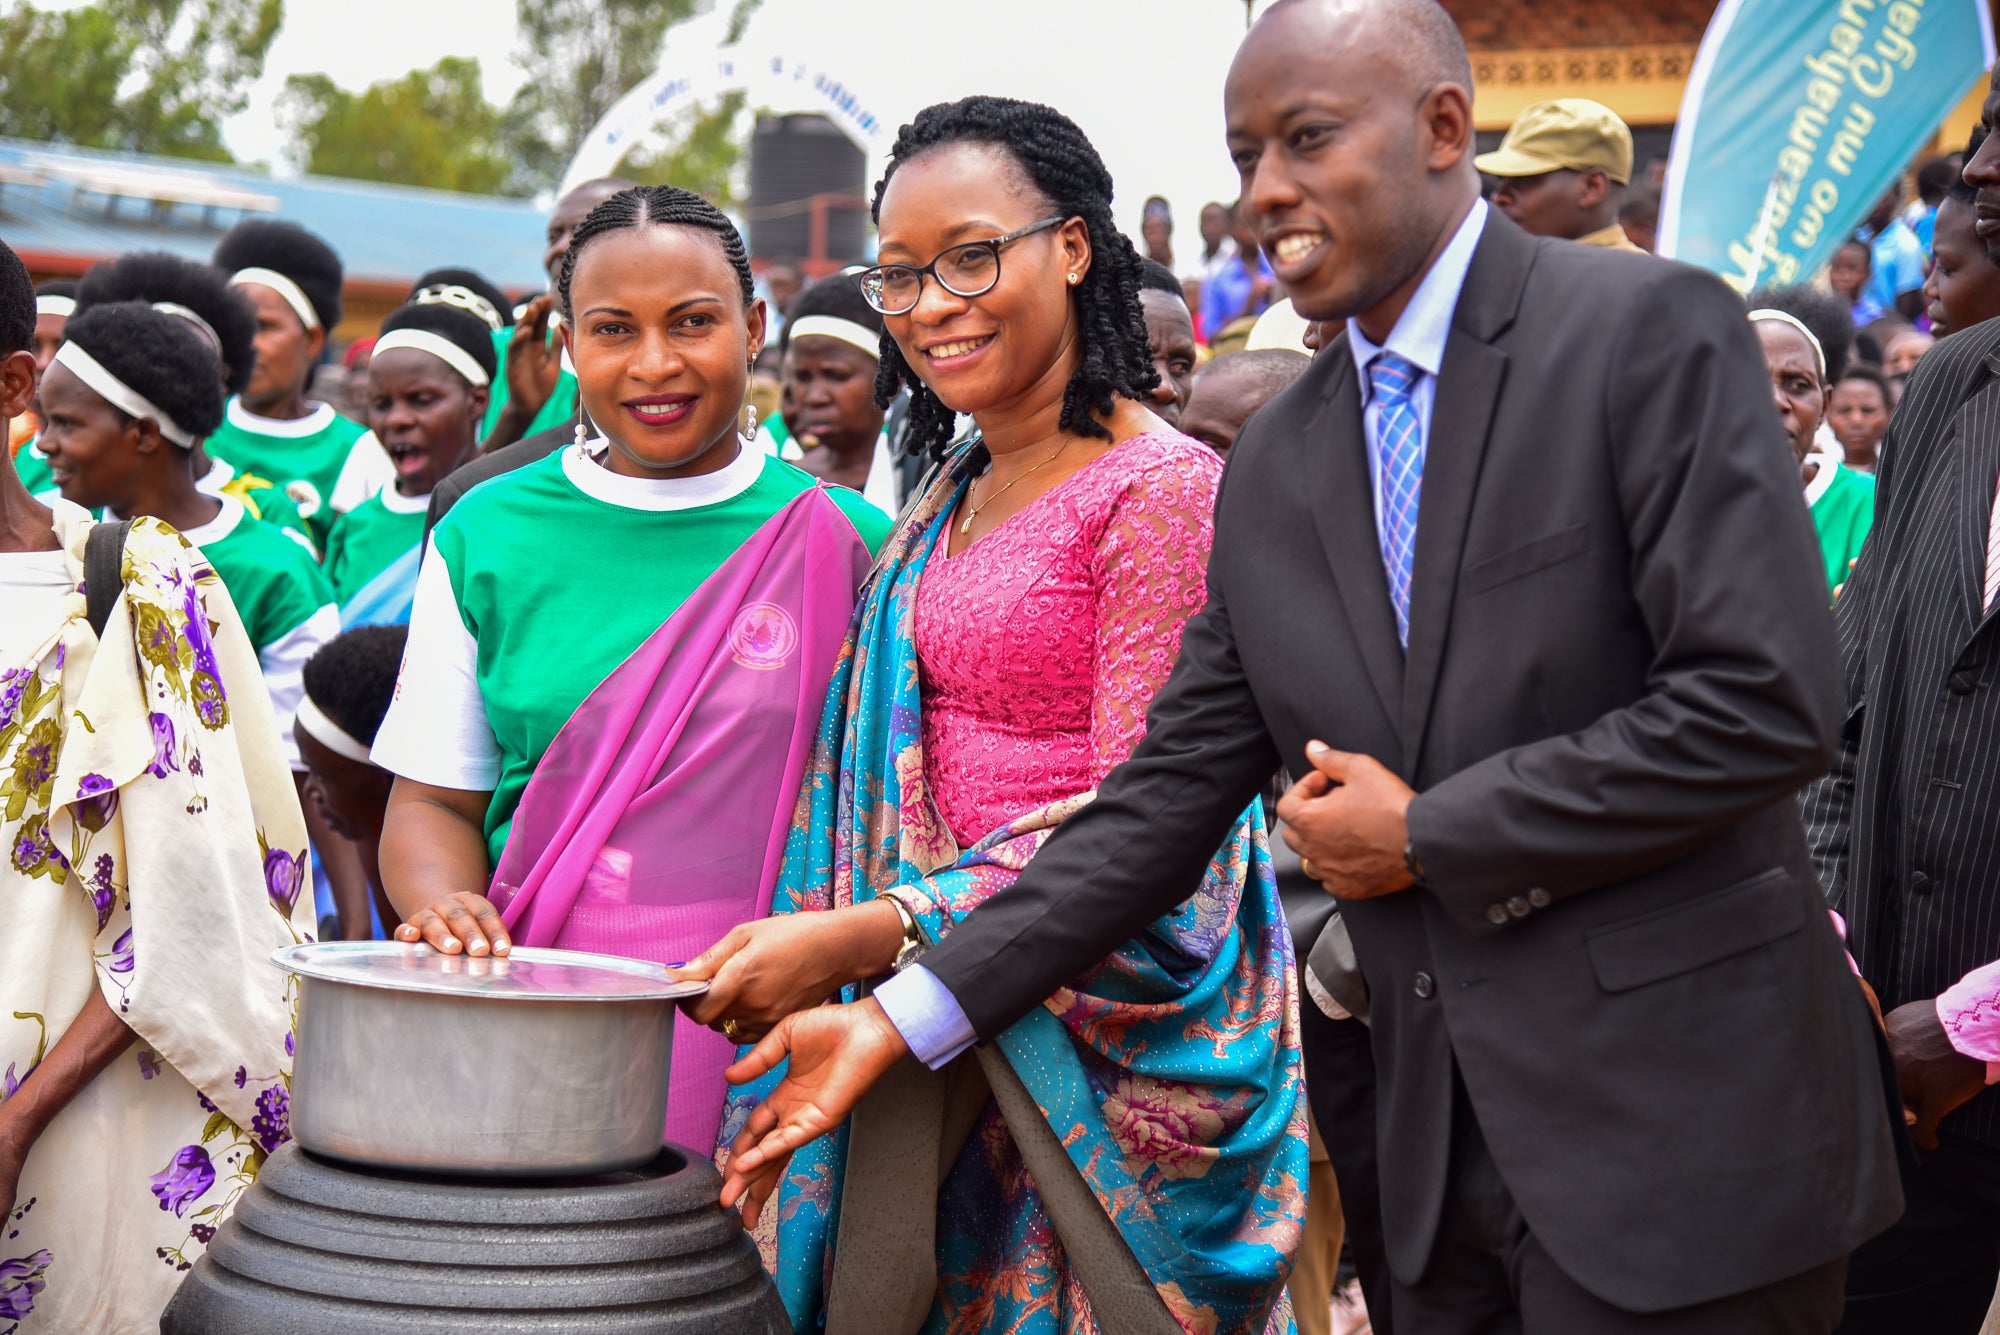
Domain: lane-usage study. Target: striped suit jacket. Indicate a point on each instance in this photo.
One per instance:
(1905, 830)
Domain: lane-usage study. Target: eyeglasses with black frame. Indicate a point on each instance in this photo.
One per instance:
(968, 270)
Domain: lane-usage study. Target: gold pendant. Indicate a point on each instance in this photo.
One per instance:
(965, 525)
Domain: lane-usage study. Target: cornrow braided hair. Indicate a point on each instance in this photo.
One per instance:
(1072, 180)
(669, 206)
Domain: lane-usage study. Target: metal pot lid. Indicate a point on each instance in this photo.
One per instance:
(526, 973)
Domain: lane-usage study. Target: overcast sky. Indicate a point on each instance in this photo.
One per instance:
(1142, 77)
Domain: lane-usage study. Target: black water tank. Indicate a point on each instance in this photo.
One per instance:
(793, 158)
(319, 1249)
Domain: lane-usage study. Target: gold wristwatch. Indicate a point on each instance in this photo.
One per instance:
(914, 941)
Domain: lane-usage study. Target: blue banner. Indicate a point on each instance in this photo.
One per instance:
(1798, 115)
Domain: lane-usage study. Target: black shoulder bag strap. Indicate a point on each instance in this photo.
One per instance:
(104, 571)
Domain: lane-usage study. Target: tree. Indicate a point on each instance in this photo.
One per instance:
(144, 76)
(581, 56)
(431, 127)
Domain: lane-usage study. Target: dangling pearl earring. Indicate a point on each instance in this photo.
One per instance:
(749, 421)
(582, 434)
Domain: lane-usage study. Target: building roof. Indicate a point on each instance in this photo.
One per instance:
(62, 209)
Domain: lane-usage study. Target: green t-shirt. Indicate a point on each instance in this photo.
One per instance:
(560, 408)
(274, 582)
(304, 458)
(549, 628)
(261, 498)
(370, 537)
(1843, 512)
(33, 467)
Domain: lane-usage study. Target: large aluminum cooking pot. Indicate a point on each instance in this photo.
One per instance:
(542, 1063)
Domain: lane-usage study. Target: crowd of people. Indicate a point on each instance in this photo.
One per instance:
(1291, 786)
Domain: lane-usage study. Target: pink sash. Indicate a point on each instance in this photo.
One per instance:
(657, 819)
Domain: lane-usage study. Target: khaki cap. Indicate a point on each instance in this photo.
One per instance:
(1570, 133)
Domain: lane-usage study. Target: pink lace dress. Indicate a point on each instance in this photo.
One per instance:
(1040, 646)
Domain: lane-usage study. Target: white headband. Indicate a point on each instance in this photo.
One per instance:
(832, 326)
(63, 306)
(201, 326)
(438, 346)
(293, 294)
(1819, 353)
(464, 298)
(119, 394)
(328, 733)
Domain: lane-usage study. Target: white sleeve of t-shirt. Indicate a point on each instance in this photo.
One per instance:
(368, 469)
(436, 731)
(284, 664)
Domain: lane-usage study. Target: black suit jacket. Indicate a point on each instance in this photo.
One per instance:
(1906, 830)
(1620, 673)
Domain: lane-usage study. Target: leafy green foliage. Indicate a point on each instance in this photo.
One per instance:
(431, 127)
(144, 76)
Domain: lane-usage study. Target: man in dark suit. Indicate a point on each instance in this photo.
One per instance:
(1525, 546)
(1906, 829)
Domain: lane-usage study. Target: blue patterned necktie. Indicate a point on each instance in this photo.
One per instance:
(1399, 451)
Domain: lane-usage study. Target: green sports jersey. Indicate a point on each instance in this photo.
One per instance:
(274, 582)
(370, 537)
(1842, 513)
(303, 458)
(33, 467)
(558, 411)
(557, 588)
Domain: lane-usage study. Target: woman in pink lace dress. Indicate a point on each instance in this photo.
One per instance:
(1019, 622)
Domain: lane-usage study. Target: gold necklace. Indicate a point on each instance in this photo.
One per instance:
(972, 511)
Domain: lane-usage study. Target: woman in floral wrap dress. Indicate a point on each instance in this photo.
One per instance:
(1015, 629)
(154, 859)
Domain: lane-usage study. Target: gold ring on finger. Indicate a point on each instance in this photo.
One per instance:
(1306, 865)
(733, 1032)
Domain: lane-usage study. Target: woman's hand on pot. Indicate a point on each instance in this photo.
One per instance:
(461, 922)
(765, 970)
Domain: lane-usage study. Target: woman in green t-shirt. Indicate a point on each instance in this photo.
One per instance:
(427, 387)
(324, 462)
(617, 654)
(1842, 501)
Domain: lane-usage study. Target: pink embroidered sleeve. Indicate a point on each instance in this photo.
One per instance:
(1151, 571)
(1970, 1011)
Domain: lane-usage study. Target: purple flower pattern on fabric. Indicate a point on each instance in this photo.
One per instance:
(21, 1282)
(102, 896)
(34, 854)
(185, 1180)
(90, 785)
(121, 953)
(271, 1126)
(242, 1074)
(13, 683)
(163, 748)
(284, 877)
(150, 1064)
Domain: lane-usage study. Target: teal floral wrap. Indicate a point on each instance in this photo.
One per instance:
(1170, 1072)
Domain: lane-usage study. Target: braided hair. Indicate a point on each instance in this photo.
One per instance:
(667, 205)
(1071, 179)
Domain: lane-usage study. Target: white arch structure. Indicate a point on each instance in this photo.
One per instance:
(771, 78)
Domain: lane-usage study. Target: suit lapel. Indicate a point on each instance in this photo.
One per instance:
(1342, 500)
(1978, 455)
(1467, 392)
